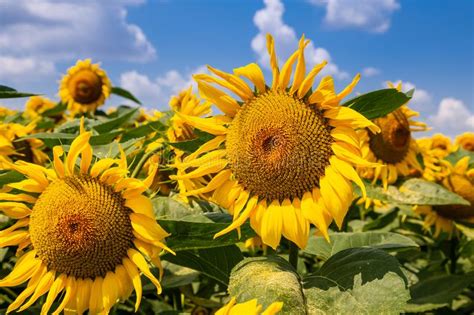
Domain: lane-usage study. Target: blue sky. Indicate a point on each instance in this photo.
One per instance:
(153, 47)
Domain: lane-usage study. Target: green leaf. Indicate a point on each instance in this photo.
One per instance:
(317, 245)
(440, 288)
(177, 276)
(59, 138)
(125, 94)
(459, 154)
(8, 92)
(341, 268)
(115, 123)
(186, 235)
(414, 191)
(192, 145)
(169, 208)
(143, 130)
(268, 279)
(378, 103)
(112, 150)
(216, 263)
(10, 177)
(387, 295)
(381, 221)
(58, 109)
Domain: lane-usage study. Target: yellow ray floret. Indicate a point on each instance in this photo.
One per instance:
(283, 156)
(86, 229)
(250, 307)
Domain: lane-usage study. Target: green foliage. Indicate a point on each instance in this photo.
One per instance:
(378, 103)
(125, 94)
(8, 92)
(387, 295)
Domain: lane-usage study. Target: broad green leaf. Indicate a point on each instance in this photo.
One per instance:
(115, 123)
(58, 109)
(192, 145)
(268, 279)
(216, 263)
(378, 103)
(10, 177)
(414, 191)
(421, 308)
(177, 276)
(341, 268)
(317, 245)
(125, 94)
(466, 228)
(143, 130)
(112, 150)
(8, 92)
(387, 295)
(187, 235)
(13, 118)
(459, 154)
(440, 289)
(58, 138)
(170, 208)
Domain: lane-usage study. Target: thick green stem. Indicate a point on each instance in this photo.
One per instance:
(293, 259)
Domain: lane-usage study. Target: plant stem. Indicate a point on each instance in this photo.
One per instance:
(142, 161)
(453, 255)
(293, 259)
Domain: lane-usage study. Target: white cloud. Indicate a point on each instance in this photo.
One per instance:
(64, 30)
(452, 117)
(13, 67)
(270, 20)
(370, 15)
(156, 92)
(370, 72)
(421, 101)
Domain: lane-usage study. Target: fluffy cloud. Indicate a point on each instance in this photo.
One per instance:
(370, 72)
(371, 15)
(156, 92)
(270, 20)
(452, 117)
(64, 30)
(13, 67)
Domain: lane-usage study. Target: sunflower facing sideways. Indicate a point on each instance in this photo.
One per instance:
(81, 230)
(460, 181)
(85, 87)
(285, 156)
(394, 147)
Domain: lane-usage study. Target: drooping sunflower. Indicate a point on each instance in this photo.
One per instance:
(466, 141)
(82, 230)
(434, 150)
(285, 156)
(36, 105)
(12, 149)
(85, 87)
(249, 308)
(394, 147)
(189, 104)
(460, 181)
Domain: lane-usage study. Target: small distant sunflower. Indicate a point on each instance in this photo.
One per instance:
(13, 149)
(434, 150)
(84, 232)
(185, 103)
(36, 105)
(466, 141)
(285, 156)
(460, 181)
(85, 87)
(5, 111)
(249, 308)
(394, 147)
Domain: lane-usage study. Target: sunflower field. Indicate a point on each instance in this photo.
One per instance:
(249, 195)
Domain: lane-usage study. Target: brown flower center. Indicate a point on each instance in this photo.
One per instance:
(462, 186)
(393, 142)
(80, 227)
(85, 86)
(278, 146)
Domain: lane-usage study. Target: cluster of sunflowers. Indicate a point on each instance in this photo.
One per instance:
(290, 200)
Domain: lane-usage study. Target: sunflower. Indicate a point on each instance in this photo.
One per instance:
(460, 181)
(82, 231)
(394, 147)
(433, 151)
(36, 105)
(12, 149)
(249, 308)
(85, 87)
(185, 103)
(5, 111)
(466, 141)
(284, 156)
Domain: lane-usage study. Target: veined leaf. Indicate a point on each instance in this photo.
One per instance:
(143, 130)
(378, 103)
(114, 123)
(125, 94)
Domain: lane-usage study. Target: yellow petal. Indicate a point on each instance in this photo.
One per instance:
(272, 223)
(241, 219)
(224, 102)
(95, 303)
(141, 204)
(83, 295)
(109, 291)
(210, 124)
(309, 80)
(54, 291)
(28, 185)
(300, 67)
(70, 290)
(101, 166)
(141, 263)
(14, 238)
(325, 90)
(77, 146)
(240, 87)
(215, 182)
(43, 286)
(30, 288)
(24, 268)
(135, 277)
(273, 61)
(286, 71)
(253, 72)
(346, 170)
(147, 227)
